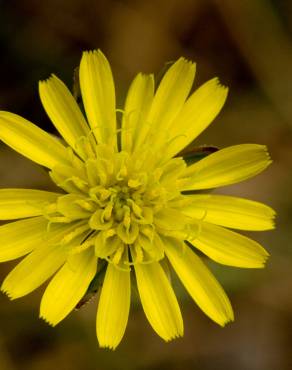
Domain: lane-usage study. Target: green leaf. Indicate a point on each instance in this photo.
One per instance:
(194, 154)
(94, 286)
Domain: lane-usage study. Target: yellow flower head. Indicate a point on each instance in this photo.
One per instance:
(129, 202)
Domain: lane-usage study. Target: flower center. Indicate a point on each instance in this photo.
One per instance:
(120, 206)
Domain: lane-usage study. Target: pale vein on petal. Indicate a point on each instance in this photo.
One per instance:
(21, 203)
(98, 94)
(21, 237)
(68, 286)
(31, 141)
(113, 307)
(169, 99)
(64, 112)
(234, 212)
(138, 102)
(199, 111)
(158, 300)
(227, 166)
(228, 247)
(199, 282)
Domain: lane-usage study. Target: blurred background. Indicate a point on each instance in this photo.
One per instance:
(247, 44)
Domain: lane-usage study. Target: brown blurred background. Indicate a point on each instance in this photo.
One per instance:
(248, 45)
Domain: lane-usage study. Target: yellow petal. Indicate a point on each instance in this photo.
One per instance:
(237, 213)
(198, 112)
(30, 141)
(139, 99)
(113, 307)
(229, 248)
(68, 286)
(98, 94)
(64, 112)
(169, 98)
(21, 237)
(33, 270)
(20, 203)
(227, 166)
(49, 252)
(159, 301)
(199, 282)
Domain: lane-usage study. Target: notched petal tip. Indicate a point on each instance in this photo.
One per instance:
(184, 60)
(177, 335)
(273, 221)
(44, 82)
(87, 52)
(266, 157)
(11, 292)
(93, 52)
(142, 75)
(264, 259)
(188, 64)
(227, 317)
(220, 90)
(227, 321)
(271, 213)
(219, 84)
(181, 65)
(107, 346)
(47, 321)
(7, 292)
(271, 218)
(269, 159)
(52, 77)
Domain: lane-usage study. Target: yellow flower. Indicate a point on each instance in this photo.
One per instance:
(129, 203)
